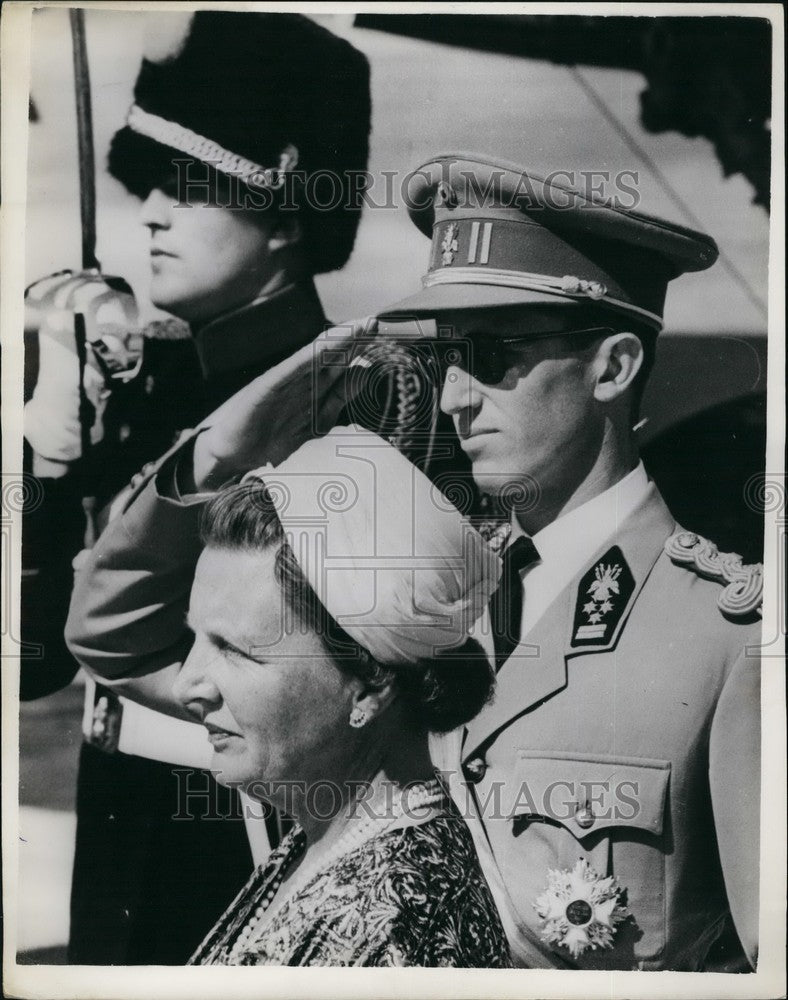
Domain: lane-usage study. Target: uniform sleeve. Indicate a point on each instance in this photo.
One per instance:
(734, 774)
(131, 595)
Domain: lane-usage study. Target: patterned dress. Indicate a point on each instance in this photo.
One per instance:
(413, 896)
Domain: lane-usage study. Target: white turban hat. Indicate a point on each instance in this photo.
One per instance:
(394, 563)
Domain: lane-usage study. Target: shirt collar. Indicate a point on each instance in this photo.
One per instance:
(571, 540)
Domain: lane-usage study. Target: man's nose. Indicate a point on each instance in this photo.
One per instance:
(156, 210)
(194, 688)
(460, 392)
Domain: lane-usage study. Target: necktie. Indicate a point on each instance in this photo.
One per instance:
(506, 604)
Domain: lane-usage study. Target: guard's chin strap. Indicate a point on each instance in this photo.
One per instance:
(179, 137)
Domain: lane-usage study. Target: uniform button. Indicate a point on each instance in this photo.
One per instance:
(584, 817)
(475, 769)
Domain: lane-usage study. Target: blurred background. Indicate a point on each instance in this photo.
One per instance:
(681, 104)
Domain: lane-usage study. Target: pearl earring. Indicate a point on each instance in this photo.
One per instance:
(358, 718)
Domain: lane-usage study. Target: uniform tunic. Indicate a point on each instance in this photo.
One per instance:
(624, 731)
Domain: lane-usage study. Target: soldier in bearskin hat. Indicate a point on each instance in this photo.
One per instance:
(236, 123)
(248, 117)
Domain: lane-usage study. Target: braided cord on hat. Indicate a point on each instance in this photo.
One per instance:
(567, 286)
(179, 137)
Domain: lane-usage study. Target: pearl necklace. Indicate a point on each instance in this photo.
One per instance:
(416, 797)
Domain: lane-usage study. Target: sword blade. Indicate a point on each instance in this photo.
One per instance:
(87, 163)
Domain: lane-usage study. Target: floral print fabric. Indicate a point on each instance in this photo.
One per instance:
(414, 896)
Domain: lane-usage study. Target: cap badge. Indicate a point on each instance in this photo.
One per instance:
(602, 597)
(580, 910)
(449, 244)
(445, 195)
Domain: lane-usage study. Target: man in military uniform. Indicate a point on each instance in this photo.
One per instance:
(224, 118)
(613, 783)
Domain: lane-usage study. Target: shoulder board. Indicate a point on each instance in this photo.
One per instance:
(167, 329)
(743, 591)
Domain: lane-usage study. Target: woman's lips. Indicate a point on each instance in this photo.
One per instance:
(219, 737)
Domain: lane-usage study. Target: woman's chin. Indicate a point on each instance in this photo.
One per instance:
(230, 768)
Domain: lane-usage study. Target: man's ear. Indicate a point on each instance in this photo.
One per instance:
(619, 358)
(286, 233)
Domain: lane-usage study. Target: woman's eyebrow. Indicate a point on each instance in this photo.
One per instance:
(222, 643)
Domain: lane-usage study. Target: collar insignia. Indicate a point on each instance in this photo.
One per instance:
(602, 596)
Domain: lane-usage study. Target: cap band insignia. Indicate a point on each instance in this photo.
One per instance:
(743, 593)
(449, 244)
(485, 228)
(178, 137)
(602, 597)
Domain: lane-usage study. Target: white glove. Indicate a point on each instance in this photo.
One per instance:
(113, 349)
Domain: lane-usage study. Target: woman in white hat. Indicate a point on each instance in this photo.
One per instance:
(331, 610)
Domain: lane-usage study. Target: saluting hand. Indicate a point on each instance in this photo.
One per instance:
(295, 401)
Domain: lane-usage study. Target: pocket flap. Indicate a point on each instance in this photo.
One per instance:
(588, 793)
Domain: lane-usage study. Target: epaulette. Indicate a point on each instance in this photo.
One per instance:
(743, 591)
(167, 329)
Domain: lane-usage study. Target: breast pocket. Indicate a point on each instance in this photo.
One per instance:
(609, 810)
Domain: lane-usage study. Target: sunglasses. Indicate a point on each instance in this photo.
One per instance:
(486, 358)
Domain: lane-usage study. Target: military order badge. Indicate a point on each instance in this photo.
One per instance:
(602, 597)
(580, 909)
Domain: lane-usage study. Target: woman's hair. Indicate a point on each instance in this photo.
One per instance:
(442, 693)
